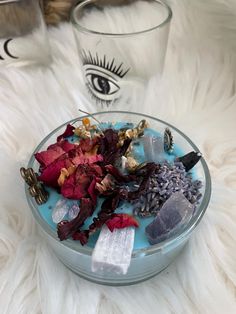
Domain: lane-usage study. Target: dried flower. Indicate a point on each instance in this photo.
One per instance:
(119, 221)
(82, 132)
(68, 132)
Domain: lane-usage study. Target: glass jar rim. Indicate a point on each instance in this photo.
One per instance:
(164, 245)
(8, 1)
(82, 5)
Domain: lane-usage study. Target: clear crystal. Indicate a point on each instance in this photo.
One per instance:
(175, 213)
(153, 148)
(60, 210)
(113, 250)
(63, 207)
(73, 210)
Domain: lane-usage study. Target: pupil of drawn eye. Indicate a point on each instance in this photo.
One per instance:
(101, 84)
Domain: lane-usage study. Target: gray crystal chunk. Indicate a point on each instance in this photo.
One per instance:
(153, 148)
(113, 250)
(174, 214)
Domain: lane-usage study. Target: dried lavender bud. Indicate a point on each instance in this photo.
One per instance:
(167, 179)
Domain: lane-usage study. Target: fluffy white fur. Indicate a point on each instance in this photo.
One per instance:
(197, 94)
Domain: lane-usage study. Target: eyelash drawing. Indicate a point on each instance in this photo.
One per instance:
(87, 58)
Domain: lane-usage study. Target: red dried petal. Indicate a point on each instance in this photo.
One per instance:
(82, 159)
(51, 173)
(81, 236)
(69, 131)
(88, 144)
(77, 185)
(53, 152)
(45, 158)
(92, 191)
(119, 221)
(67, 146)
(75, 188)
(120, 177)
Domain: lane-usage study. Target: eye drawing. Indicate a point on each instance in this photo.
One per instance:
(102, 77)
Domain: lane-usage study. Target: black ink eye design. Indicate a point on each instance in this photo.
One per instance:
(102, 78)
(102, 84)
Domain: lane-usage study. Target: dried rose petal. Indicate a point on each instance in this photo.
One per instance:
(45, 158)
(82, 159)
(115, 172)
(119, 221)
(81, 236)
(69, 131)
(77, 185)
(51, 173)
(74, 188)
(92, 191)
(53, 152)
(88, 144)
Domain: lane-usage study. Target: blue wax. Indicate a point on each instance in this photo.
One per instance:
(140, 238)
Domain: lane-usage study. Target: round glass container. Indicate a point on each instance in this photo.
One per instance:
(145, 262)
(121, 46)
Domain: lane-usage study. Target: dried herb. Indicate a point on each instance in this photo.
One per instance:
(120, 177)
(107, 209)
(146, 172)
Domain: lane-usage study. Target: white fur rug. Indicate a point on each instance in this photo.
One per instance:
(198, 95)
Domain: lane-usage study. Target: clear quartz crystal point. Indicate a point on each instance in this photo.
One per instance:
(62, 208)
(73, 211)
(174, 214)
(59, 211)
(113, 250)
(153, 148)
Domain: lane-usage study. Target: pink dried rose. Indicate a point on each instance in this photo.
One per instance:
(53, 152)
(81, 183)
